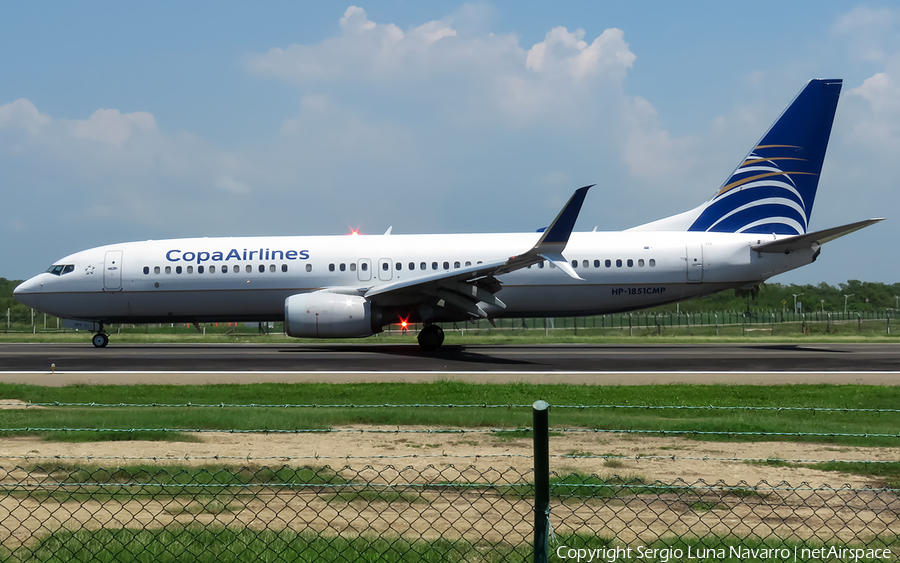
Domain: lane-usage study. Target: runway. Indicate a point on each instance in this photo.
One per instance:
(877, 364)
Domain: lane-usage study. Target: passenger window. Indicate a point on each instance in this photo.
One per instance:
(224, 269)
(168, 269)
(331, 267)
(248, 269)
(456, 264)
(352, 267)
(585, 263)
(343, 267)
(422, 266)
(552, 265)
(212, 269)
(284, 268)
(652, 262)
(309, 267)
(199, 269)
(177, 269)
(271, 267)
(146, 270)
(608, 263)
(574, 263)
(618, 262)
(384, 266)
(399, 266)
(237, 269)
(155, 269)
(262, 269)
(541, 265)
(434, 265)
(468, 263)
(446, 265)
(596, 263)
(641, 263)
(630, 263)
(190, 269)
(364, 267)
(411, 266)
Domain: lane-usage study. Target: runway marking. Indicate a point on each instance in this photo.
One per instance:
(459, 372)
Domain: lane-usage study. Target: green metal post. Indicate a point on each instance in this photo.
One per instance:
(541, 481)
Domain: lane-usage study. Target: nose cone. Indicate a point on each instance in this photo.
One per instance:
(27, 291)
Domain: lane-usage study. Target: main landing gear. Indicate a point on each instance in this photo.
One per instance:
(100, 339)
(430, 338)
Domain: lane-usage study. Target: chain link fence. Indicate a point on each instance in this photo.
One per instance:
(428, 508)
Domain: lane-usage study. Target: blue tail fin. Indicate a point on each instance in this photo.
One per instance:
(773, 189)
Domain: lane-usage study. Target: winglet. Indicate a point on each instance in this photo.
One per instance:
(554, 239)
(559, 230)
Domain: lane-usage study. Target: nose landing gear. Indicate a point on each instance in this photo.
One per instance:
(431, 338)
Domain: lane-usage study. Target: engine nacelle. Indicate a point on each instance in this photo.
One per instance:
(329, 315)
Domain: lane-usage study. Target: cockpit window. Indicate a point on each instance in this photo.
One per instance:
(60, 269)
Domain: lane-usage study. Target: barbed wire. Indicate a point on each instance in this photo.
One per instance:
(277, 430)
(451, 431)
(453, 406)
(725, 433)
(314, 457)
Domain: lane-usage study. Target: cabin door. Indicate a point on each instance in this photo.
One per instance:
(112, 271)
(695, 263)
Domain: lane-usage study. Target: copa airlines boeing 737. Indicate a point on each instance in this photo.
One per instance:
(754, 227)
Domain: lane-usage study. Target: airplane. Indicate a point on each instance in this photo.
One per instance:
(753, 227)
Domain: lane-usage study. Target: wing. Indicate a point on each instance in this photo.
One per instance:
(464, 289)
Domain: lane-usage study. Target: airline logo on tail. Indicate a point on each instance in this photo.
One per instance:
(773, 189)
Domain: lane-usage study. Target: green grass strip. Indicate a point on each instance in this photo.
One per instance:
(838, 398)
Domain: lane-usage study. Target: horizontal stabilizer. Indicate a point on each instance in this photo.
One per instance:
(802, 242)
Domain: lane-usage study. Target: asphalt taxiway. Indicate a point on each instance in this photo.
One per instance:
(61, 364)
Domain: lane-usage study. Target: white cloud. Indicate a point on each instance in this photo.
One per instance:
(565, 51)
(23, 116)
(229, 184)
(650, 151)
(865, 29)
(111, 126)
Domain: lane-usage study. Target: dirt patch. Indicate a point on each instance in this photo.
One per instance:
(701, 501)
(650, 457)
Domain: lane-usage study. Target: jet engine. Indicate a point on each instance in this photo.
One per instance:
(321, 314)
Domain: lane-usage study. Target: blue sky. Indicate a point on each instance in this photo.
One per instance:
(131, 121)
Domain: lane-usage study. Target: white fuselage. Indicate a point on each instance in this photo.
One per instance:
(248, 279)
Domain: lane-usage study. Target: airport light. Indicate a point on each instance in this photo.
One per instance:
(846, 297)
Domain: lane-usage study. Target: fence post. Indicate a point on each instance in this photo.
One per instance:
(541, 430)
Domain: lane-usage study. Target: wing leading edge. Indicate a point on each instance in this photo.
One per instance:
(467, 287)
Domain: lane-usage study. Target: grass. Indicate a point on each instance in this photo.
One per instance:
(455, 392)
(373, 495)
(226, 545)
(705, 506)
(887, 473)
(80, 483)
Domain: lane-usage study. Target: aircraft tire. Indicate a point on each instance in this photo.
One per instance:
(100, 340)
(431, 338)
